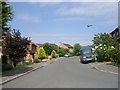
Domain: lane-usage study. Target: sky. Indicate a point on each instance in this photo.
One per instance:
(64, 22)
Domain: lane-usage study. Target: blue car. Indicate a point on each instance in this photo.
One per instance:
(87, 55)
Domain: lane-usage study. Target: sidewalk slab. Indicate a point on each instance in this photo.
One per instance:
(105, 67)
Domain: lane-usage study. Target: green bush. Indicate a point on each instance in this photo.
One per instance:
(53, 54)
(116, 58)
(6, 67)
(41, 53)
(50, 57)
(63, 51)
(36, 61)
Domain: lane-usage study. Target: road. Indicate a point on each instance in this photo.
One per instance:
(65, 73)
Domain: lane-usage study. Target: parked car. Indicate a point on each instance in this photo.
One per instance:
(67, 55)
(87, 55)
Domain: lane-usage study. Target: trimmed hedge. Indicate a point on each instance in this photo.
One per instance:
(36, 61)
(6, 67)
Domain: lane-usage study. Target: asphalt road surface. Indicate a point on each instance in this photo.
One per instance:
(65, 73)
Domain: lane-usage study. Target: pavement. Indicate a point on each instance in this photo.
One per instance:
(105, 67)
(11, 75)
(67, 72)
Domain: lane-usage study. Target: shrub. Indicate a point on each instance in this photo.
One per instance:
(50, 57)
(46, 57)
(116, 58)
(6, 67)
(41, 53)
(36, 61)
(53, 54)
(63, 51)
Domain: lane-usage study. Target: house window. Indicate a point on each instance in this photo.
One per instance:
(117, 33)
(33, 47)
(113, 35)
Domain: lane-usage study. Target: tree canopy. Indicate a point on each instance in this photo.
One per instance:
(41, 53)
(76, 48)
(49, 48)
(104, 38)
(15, 47)
(7, 15)
(63, 51)
(105, 46)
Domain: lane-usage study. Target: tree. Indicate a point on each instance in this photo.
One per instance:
(76, 49)
(15, 47)
(104, 39)
(53, 54)
(7, 15)
(41, 53)
(105, 46)
(63, 51)
(49, 48)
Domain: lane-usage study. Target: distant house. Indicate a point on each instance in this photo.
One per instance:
(40, 45)
(116, 34)
(66, 46)
(32, 51)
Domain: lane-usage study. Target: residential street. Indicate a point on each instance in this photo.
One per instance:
(65, 73)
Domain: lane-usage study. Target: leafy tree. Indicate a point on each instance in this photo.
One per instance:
(105, 46)
(66, 50)
(63, 51)
(77, 49)
(55, 48)
(49, 48)
(53, 54)
(6, 12)
(104, 39)
(41, 53)
(15, 47)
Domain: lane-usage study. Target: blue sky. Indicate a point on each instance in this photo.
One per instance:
(65, 22)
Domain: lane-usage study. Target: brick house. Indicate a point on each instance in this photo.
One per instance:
(32, 51)
(116, 34)
(67, 46)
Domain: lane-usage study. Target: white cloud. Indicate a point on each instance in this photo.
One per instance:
(26, 17)
(88, 9)
(61, 37)
(44, 4)
(69, 19)
(46, 34)
(69, 40)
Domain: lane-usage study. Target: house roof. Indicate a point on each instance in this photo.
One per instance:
(115, 30)
(40, 45)
(69, 46)
(53, 44)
